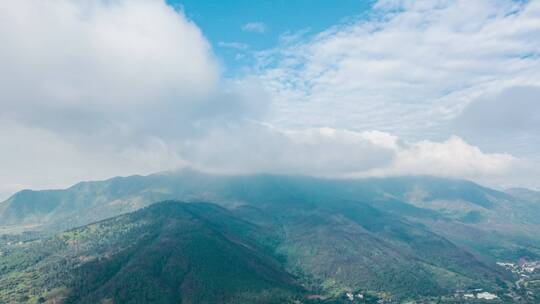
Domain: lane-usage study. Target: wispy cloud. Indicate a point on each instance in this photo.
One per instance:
(293, 37)
(255, 27)
(234, 45)
(408, 69)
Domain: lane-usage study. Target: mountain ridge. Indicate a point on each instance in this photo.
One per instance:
(405, 237)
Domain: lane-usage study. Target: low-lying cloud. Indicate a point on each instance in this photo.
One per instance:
(43, 159)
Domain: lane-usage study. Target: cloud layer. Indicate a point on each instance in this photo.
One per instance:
(94, 89)
(340, 153)
(408, 69)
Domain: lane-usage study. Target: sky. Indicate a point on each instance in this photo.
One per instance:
(238, 28)
(95, 89)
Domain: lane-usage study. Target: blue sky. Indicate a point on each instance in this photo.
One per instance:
(223, 23)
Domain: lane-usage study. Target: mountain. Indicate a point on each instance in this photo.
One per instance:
(395, 238)
(485, 220)
(175, 252)
(90, 201)
(167, 253)
(525, 194)
(347, 245)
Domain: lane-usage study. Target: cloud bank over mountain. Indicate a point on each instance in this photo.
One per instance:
(92, 89)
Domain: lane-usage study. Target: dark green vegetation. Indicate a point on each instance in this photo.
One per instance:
(289, 238)
(167, 253)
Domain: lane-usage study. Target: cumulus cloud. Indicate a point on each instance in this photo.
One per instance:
(451, 158)
(93, 65)
(92, 89)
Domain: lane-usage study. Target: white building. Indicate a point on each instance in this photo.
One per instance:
(486, 296)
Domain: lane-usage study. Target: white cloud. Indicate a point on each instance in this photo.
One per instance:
(250, 148)
(409, 69)
(450, 158)
(93, 89)
(97, 64)
(38, 158)
(234, 45)
(343, 153)
(255, 27)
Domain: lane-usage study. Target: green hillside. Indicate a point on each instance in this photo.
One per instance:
(490, 222)
(395, 238)
(202, 253)
(167, 253)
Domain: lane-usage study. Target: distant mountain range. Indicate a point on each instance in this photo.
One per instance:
(525, 194)
(261, 239)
